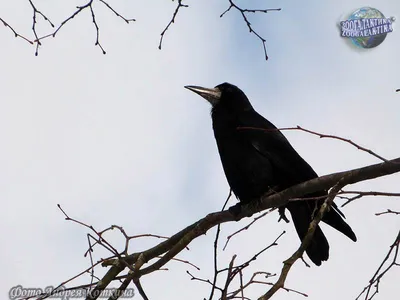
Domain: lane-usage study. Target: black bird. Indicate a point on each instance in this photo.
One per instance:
(258, 161)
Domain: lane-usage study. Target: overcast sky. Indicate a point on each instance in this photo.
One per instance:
(116, 139)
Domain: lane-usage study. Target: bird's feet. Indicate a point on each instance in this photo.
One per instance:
(282, 215)
(236, 210)
(239, 210)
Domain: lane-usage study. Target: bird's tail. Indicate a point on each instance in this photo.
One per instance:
(334, 218)
(302, 214)
(318, 249)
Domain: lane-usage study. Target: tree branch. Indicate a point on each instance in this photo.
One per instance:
(173, 245)
(287, 264)
(388, 211)
(244, 12)
(320, 135)
(178, 7)
(79, 9)
(376, 278)
(16, 34)
(361, 194)
(179, 241)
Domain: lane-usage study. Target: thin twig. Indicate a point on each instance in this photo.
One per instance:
(100, 241)
(61, 287)
(233, 271)
(16, 34)
(376, 278)
(388, 211)
(116, 13)
(79, 9)
(178, 7)
(287, 265)
(247, 226)
(97, 43)
(184, 261)
(34, 22)
(321, 135)
(243, 12)
(216, 249)
(361, 194)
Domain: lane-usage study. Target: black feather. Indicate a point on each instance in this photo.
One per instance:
(257, 158)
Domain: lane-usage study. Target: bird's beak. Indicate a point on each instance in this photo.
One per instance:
(211, 95)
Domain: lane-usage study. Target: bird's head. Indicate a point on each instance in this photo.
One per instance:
(224, 96)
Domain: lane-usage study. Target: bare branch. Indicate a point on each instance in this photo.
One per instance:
(192, 277)
(287, 265)
(233, 271)
(100, 241)
(361, 194)
(116, 13)
(128, 238)
(90, 250)
(177, 242)
(140, 288)
(183, 261)
(255, 256)
(97, 43)
(229, 277)
(321, 135)
(34, 21)
(389, 211)
(178, 7)
(89, 5)
(376, 278)
(16, 34)
(238, 270)
(60, 288)
(79, 9)
(246, 227)
(216, 249)
(244, 12)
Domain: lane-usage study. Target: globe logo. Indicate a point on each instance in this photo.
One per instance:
(367, 27)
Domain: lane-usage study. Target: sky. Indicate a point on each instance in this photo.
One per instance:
(116, 139)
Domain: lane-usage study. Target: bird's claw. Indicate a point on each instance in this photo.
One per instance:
(235, 210)
(282, 215)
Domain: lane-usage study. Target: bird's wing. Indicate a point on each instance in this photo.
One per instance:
(289, 169)
(288, 166)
